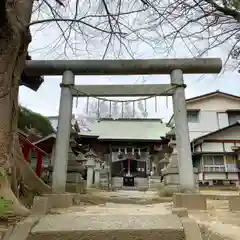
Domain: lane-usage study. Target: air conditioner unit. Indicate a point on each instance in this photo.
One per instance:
(235, 148)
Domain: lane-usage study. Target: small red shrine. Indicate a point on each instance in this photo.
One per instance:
(27, 148)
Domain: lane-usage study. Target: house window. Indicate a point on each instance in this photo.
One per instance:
(208, 160)
(192, 117)
(213, 163)
(213, 160)
(233, 117)
(218, 160)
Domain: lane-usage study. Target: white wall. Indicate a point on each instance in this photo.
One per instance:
(216, 103)
(228, 134)
(212, 115)
(210, 147)
(214, 176)
(207, 122)
(214, 147)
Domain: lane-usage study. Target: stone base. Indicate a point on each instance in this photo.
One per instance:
(108, 227)
(41, 205)
(60, 200)
(171, 179)
(190, 201)
(81, 187)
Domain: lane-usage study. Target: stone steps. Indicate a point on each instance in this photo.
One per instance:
(108, 227)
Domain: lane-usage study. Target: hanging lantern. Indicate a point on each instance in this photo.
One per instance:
(138, 154)
(87, 107)
(110, 109)
(122, 109)
(133, 109)
(156, 104)
(98, 109)
(120, 155)
(133, 151)
(76, 102)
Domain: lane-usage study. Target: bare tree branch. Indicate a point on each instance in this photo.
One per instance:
(119, 26)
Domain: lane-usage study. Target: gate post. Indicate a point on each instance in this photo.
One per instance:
(186, 175)
(63, 134)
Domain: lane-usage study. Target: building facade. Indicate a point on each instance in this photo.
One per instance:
(215, 136)
(127, 148)
(217, 156)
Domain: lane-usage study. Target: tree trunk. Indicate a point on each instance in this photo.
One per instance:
(14, 40)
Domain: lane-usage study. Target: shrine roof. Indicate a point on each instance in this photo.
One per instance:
(129, 129)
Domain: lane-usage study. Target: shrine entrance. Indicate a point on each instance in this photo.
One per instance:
(173, 67)
(129, 167)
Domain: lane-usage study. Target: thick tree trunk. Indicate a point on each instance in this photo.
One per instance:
(14, 40)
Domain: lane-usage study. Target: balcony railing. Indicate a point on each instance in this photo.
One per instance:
(220, 169)
(231, 169)
(214, 169)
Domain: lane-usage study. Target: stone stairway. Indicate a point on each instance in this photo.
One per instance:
(108, 222)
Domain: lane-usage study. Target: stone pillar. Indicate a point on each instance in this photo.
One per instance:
(97, 173)
(90, 168)
(186, 177)
(59, 175)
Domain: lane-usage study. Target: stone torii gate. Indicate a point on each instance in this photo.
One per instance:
(174, 67)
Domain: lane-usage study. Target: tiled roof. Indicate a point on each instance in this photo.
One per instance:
(132, 129)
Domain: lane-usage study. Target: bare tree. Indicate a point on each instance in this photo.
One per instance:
(200, 25)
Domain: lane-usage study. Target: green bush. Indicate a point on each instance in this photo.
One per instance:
(5, 207)
(31, 120)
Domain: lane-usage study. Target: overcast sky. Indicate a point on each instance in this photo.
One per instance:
(46, 99)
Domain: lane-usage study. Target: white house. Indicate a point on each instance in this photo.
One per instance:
(217, 155)
(214, 135)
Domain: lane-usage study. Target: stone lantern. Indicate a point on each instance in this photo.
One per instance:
(165, 161)
(171, 172)
(91, 163)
